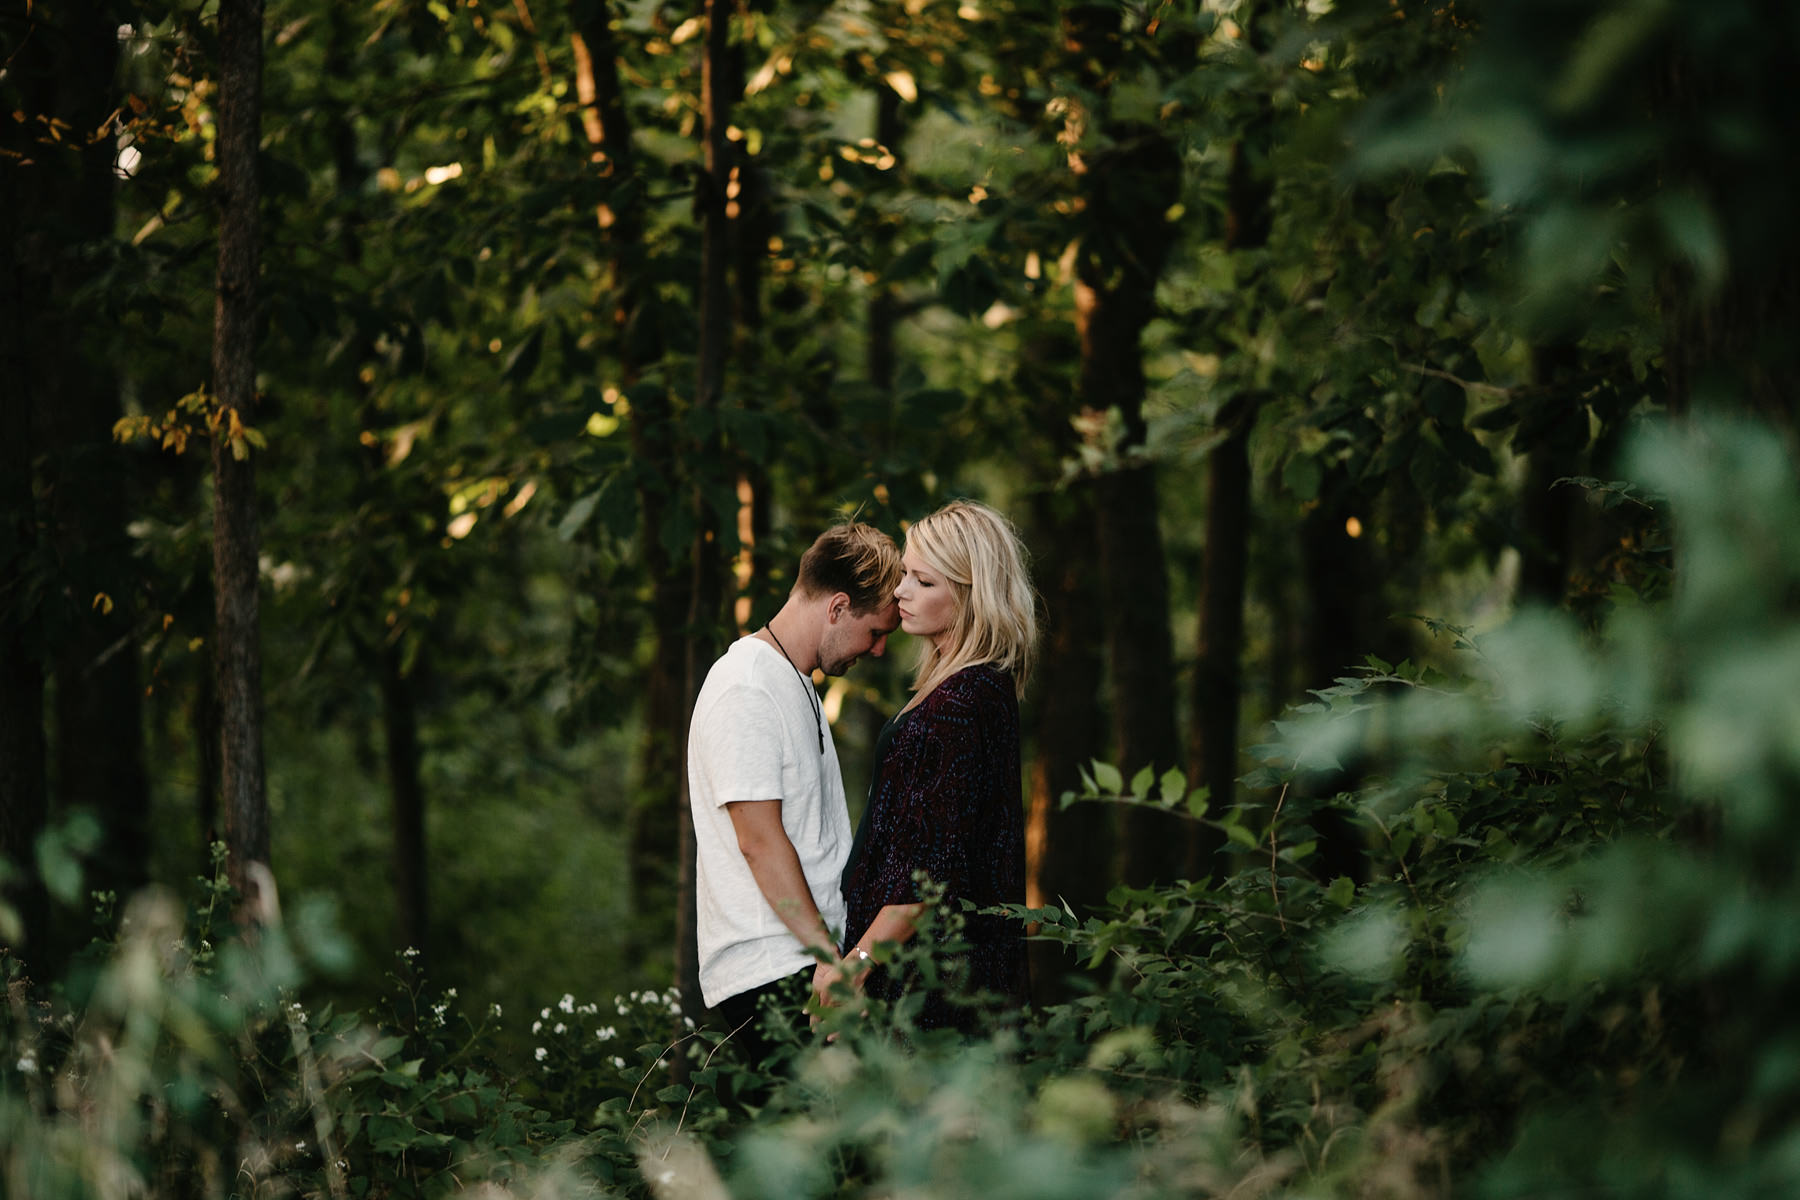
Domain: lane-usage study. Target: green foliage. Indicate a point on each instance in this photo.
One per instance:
(1576, 913)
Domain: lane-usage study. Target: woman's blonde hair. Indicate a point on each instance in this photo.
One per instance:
(979, 553)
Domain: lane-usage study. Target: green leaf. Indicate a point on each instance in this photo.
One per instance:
(578, 515)
(1140, 783)
(1342, 891)
(1301, 476)
(1198, 800)
(1242, 836)
(1108, 779)
(524, 357)
(1173, 785)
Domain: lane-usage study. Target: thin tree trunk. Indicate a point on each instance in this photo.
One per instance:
(23, 798)
(1218, 674)
(236, 542)
(707, 596)
(1128, 187)
(1218, 671)
(654, 819)
(1341, 593)
(98, 694)
(59, 203)
(1550, 515)
(400, 721)
(1067, 850)
(1115, 299)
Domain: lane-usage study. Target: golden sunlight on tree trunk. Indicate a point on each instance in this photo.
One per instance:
(706, 608)
(631, 316)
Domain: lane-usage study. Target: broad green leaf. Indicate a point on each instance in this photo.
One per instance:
(1108, 780)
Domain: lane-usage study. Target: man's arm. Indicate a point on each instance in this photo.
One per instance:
(776, 868)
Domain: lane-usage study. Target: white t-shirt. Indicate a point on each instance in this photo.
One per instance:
(755, 736)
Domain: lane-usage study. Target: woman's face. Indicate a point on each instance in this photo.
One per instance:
(927, 601)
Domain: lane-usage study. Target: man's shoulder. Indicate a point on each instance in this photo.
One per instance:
(744, 664)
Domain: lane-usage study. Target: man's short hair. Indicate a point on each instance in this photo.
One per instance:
(856, 559)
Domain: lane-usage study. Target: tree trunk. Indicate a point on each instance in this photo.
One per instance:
(23, 798)
(98, 693)
(707, 596)
(1218, 674)
(1129, 188)
(1067, 850)
(1550, 515)
(1341, 594)
(1218, 671)
(59, 201)
(654, 829)
(236, 543)
(400, 722)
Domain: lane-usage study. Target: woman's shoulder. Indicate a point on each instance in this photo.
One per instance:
(976, 686)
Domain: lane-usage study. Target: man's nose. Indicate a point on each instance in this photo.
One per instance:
(880, 646)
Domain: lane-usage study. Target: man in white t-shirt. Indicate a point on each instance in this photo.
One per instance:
(770, 823)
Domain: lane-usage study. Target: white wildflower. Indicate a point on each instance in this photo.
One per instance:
(567, 1003)
(560, 1028)
(28, 1063)
(606, 1033)
(544, 1013)
(540, 1054)
(494, 1009)
(618, 1062)
(536, 1025)
(299, 1147)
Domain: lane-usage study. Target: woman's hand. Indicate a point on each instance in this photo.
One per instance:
(853, 967)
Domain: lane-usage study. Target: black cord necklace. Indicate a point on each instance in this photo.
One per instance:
(812, 693)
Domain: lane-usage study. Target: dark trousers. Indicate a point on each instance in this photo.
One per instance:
(755, 1019)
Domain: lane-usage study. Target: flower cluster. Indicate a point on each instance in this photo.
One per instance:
(577, 1048)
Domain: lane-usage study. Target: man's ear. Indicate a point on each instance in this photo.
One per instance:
(837, 606)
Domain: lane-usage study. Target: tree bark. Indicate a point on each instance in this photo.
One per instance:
(24, 802)
(654, 826)
(707, 595)
(59, 199)
(400, 721)
(1129, 188)
(1067, 850)
(1341, 594)
(98, 693)
(1550, 515)
(236, 540)
(1218, 673)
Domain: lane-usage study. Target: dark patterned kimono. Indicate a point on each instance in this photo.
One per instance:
(945, 800)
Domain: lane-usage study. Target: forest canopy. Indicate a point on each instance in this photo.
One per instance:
(409, 400)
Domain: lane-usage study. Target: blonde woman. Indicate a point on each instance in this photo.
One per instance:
(945, 797)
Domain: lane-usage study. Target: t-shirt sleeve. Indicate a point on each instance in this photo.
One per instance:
(739, 751)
